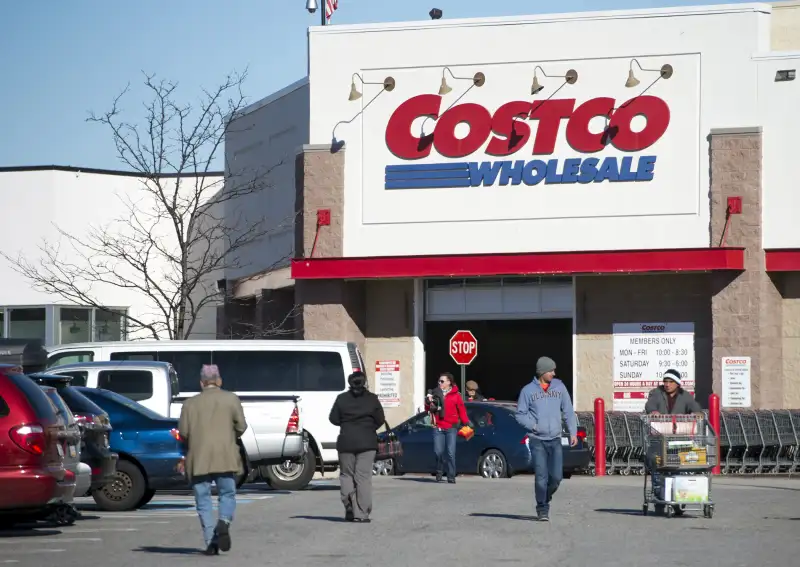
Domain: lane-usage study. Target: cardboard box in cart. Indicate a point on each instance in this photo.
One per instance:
(690, 489)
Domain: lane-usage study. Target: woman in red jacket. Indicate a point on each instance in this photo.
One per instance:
(447, 410)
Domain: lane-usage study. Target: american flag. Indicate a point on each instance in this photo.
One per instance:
(330, 8)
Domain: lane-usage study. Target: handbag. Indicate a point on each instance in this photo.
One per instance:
(389, 446)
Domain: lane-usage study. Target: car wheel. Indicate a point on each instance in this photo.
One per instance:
(293, 476)
(124, 492)
(566, 475)
(492, 464)
(148, 496)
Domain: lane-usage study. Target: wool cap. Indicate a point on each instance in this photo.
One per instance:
(545, 365)
(673, 375)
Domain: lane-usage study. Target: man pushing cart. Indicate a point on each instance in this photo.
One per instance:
(681, 451)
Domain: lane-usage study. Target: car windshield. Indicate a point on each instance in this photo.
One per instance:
(99, 396)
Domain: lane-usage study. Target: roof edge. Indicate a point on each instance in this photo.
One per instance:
(100, 171)
(756, 7)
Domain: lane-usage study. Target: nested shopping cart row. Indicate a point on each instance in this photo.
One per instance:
(751, 441)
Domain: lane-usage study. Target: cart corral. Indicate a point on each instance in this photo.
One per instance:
(751, 442)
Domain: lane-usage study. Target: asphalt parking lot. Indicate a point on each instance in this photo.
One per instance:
(594, 522)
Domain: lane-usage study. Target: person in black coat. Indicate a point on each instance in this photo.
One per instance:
(359, 414)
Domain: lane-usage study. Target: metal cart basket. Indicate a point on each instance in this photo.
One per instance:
(680, 451)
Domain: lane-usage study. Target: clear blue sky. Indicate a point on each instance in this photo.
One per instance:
(59, 59)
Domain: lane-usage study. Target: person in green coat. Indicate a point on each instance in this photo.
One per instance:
(210, 425)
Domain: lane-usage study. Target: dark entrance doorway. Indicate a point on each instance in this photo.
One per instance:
(507, 353)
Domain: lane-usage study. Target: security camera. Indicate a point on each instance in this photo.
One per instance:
(311, 6)
(435, 14)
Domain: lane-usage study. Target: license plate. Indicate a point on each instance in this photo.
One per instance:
(565, 442)
(72, 451)
(60, 451)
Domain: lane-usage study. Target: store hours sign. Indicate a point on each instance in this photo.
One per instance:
(642, 353)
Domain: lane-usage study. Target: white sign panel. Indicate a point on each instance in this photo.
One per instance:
(387, 380)
(736, 382)
(642, 353)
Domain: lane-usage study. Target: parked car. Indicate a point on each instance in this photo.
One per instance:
(34, 482)
(149, 448)
(262, 373)
(499, 448)
(274, 442)
(71, 441)
(95, 428)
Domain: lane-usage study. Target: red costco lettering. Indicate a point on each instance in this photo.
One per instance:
(508, 130)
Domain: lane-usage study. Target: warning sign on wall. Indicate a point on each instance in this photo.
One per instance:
(387, 382)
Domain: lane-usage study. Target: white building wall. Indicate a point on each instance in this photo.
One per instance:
(780, 120)
(260, 148)
(39, 204)
(715, 85)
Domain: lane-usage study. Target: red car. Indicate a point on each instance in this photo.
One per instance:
(34, 482)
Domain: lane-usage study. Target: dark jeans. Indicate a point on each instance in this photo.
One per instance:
(444, 446)
(548, 466)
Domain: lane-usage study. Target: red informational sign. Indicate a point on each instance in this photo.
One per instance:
(463, 347)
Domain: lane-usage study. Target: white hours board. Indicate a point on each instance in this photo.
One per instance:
(642, 353)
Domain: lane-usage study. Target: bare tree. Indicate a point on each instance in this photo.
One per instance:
(181, 232)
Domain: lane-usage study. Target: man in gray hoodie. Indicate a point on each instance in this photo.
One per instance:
(542, 406)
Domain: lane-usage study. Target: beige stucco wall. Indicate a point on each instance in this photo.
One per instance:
(785, 26)
(602, 301)
(389, 334)
(790, 284)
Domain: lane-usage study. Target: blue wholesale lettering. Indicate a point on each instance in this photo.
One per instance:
(520, 172)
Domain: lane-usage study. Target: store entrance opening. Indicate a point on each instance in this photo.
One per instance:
(507, 353)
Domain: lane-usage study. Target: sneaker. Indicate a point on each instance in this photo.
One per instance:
(451, 481)
(223, 535)
(362, 520)
(543, 517)
(348, 515)
(439, 477)
(212, 549)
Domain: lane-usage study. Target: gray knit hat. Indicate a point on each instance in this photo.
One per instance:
(544, 365)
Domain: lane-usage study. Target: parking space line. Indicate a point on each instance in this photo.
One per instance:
(32, 551)
(51, 540)
(73, 531)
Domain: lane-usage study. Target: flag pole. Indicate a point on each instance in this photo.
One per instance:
(324, 21)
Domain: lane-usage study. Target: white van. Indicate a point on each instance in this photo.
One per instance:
(316, 371)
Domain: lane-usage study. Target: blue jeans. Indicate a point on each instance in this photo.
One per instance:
(226, 494)
(548, 466)
(444, 446)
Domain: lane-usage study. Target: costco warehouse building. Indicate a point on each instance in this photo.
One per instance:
(612, 193)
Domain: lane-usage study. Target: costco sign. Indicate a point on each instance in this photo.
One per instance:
(508, 130)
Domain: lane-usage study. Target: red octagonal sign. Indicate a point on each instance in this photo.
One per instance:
(463, 347)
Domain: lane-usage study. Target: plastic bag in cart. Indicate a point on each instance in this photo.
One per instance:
(675, 427)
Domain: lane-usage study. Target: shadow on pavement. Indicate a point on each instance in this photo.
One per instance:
(321, 518)
(620, 511)
(169, 550)
(319, 488)
(416, 479)
(505, 517)
(28, 531)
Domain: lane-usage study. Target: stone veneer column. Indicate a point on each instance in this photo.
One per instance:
(328, 309)
(746, 308)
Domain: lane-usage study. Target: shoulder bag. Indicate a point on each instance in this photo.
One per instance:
(389, 446)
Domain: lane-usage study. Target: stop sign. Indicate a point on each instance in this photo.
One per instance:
(463, 347)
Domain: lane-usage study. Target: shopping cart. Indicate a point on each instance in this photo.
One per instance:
(680, 451)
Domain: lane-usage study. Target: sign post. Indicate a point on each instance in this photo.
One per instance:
(463, 350)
